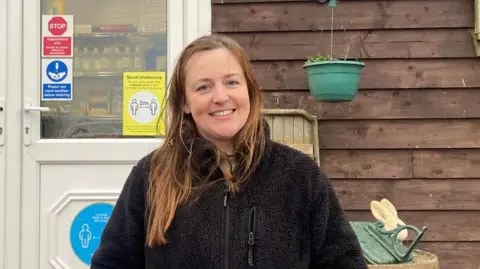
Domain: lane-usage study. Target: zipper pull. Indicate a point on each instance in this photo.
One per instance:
(250, 257)
(251, 242)
(225, 199)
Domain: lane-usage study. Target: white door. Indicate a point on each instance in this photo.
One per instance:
(77, 153)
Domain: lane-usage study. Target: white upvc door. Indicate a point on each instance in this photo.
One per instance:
(76, 156)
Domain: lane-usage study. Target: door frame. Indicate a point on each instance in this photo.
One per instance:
(3, 94)
(13, 135)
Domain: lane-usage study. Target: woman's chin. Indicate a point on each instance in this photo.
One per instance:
(225, 135)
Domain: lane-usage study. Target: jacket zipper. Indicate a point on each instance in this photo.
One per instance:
(227, 226)
(251, 237)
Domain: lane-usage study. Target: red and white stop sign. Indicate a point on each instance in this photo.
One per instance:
(57, 26)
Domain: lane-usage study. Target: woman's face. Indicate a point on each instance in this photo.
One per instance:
(217, 96)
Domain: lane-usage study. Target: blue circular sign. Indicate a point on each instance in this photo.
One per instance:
(87, 228)
(57, 71)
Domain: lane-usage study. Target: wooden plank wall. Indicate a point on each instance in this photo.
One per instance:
(412, 134)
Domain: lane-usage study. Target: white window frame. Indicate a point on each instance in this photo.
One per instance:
(196, 22)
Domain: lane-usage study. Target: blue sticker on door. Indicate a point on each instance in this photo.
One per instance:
(57, 80)
(87, 228)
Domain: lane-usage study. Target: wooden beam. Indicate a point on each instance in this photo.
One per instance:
(410, 194)
(361, 44)
(384, 164)
(365, 14)
(394, 74)
(443, 225)
(449, 163)
(456, 103)
(396, 134)
(454, 255)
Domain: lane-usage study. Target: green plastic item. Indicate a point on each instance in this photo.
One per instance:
(332, 3)
(380, 246)
(333, 80)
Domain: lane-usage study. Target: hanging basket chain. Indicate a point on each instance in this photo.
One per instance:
(332, 5)
(331, 35)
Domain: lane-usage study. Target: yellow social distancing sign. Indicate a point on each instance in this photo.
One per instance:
(143, 101)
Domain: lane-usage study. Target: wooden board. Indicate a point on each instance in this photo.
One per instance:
(385, 104)
(384, 134)
(289, 129)
(391, 164)
(226, 2)
(410, 194)
(402, 43)
(365, 14)
(447, 226)
(394, 74)
(385, 164)
(462, 255)
(295, 131)
(448, 163)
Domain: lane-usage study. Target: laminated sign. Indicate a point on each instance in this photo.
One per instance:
(57, 35)
(143, 94)
(57, 80)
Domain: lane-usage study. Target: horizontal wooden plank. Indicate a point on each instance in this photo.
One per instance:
(462, 255)
(404, 43)
(448, 226)
(226, 2)
(384, 104)
(454, 163)
(366, 14)
(410, 194)
(383, 134)
(401, 164)
(394, 74)
(366, 163)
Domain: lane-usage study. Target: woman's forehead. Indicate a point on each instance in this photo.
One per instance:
(212, 63)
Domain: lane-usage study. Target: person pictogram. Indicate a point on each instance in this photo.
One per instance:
(85, 235)
(153, 106)
(134, 106)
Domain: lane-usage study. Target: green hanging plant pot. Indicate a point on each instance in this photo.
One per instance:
(333, 80)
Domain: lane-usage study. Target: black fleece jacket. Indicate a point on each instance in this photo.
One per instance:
(286, 216)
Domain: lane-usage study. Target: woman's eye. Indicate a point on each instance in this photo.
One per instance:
(202, 88)
(232, 82)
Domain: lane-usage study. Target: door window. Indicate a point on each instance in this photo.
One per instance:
(114, 84)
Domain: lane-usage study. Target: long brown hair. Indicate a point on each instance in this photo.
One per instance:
(174, 167)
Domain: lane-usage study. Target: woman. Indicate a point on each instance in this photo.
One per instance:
(219, 193)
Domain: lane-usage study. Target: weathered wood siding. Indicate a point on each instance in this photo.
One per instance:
(413, 132)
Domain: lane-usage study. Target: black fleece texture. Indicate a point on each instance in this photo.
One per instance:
(288, 210)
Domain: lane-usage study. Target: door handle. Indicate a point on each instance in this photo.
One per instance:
(27, 119)
(36, 108)
(2, 121)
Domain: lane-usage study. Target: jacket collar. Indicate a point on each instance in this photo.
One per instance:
(204, 154)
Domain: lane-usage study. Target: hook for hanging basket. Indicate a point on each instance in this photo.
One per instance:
(331, 5)
(331, 2)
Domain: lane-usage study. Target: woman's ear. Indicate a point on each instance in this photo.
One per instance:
(186, 109)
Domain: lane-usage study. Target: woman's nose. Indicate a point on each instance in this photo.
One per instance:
(220, 95)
